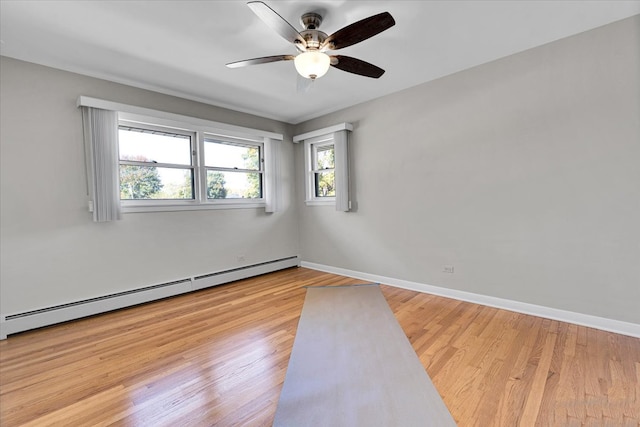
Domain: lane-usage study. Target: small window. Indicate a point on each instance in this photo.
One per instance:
(323, 161)
(234, 170)
(326, 161)
(320, 156)
(155, 163)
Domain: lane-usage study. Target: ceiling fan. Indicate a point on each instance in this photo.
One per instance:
(312, 61)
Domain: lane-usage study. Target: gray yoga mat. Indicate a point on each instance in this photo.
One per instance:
(352, 365)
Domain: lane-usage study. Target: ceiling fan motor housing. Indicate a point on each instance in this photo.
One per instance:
(311, 21)
(314, 38)
(311, 34)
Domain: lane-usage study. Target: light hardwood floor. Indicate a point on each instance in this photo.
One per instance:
(219, 356)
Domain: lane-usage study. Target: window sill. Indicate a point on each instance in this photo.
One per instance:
(321, 202)
(192, 207)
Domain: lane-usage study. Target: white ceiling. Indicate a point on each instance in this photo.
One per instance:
(180, 47)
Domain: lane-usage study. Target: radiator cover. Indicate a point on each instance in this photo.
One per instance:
(19, 322)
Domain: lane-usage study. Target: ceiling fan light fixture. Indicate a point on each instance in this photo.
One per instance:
(312, 64)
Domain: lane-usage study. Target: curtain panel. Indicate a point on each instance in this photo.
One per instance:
(272, 175)
(101, 149)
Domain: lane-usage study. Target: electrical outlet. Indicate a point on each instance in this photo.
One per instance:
(447, 269)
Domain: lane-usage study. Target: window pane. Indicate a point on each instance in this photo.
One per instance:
(144, 146)
(222, 155)
(325, 158)
(325, 184)
(234, 185)
(143, 182)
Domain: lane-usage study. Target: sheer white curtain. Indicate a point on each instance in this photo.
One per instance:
(101, 144)
(272, 174)
(341, 170)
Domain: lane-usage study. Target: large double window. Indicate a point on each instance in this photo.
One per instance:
(140, 160)
(167, 166)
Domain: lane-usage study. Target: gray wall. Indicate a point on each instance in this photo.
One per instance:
(523, 173)
(51, 250)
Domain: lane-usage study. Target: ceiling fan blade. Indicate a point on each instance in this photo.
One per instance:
(262, 60)
(356, 66)
(277, 23)
(359, 31)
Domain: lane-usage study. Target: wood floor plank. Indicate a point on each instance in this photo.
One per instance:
(534, 398)
(219, 357)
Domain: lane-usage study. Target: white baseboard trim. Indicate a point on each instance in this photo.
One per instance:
(219, 278)
(19, 322)
(610, 325)
(33, 319)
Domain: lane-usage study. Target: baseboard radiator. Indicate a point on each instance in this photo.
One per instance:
(19, 322)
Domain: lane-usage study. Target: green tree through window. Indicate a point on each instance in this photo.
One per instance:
(252, 161)
(139, 182)
(325, 177)
(216, 185)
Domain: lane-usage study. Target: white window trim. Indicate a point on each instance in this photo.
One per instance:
(129, 205)
(261, 202)
(323, 131)
(269, 141)
(174, 120)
